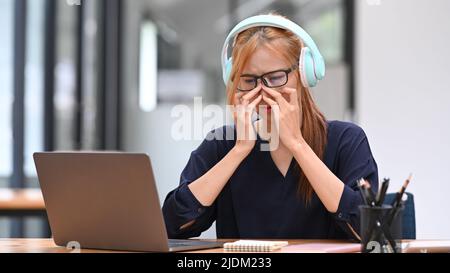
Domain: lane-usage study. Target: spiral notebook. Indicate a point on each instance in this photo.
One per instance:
(254, 246)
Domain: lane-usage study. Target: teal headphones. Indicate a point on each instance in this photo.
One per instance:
(311, 65)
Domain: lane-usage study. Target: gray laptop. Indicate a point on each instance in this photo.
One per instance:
(106, 201)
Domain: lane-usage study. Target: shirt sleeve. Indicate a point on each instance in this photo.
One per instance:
(355, 162)
(181, 206)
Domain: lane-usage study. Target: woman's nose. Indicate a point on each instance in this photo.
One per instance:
(261, 81)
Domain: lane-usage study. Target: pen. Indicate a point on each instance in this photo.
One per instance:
(369, 193)
(360, 183)
(382, 193)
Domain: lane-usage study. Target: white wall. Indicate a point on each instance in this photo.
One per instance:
(403, 99)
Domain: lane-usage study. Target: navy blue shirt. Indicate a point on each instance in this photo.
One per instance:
(259, 202)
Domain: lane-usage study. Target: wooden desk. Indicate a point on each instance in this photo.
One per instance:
(48, 246)
(37, 246)
(24, 202)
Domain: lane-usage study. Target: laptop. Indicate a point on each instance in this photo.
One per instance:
(106, 201)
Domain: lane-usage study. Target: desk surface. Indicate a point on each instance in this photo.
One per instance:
(17, 200)
(36, 246)
(48, 246)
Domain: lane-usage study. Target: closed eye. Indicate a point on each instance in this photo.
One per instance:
(276, 78)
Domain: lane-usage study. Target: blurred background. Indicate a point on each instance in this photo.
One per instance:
(105, 75)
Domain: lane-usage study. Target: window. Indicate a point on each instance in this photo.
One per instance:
(60, 100)
(34, 95)
(327, 28)
(6, 89)
(6, 97)
(65, 76)
(148, 65)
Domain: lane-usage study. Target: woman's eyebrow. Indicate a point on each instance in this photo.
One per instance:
(254, 75)
(249, 75)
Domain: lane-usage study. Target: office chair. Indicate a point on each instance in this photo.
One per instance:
(409, 215)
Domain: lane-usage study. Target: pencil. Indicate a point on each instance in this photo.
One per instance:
(398, 199)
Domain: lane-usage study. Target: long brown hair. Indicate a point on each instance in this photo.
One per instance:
(314, 129)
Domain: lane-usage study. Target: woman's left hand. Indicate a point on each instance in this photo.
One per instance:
(287, 115)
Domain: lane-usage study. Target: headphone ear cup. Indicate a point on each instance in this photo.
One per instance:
(227, 71)
(306, 66)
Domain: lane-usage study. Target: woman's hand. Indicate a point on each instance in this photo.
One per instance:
(287, 115)
(208, 187)
(246, 103)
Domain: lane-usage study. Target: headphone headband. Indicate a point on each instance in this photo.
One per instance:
(278, 22)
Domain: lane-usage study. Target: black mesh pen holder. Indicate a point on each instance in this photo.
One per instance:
(381, 229)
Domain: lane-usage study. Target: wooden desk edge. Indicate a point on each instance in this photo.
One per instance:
(48, 246)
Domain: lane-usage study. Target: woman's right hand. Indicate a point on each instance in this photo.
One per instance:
(245, 104)
(208, 187)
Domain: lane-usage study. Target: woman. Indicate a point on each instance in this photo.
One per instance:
(305, 186)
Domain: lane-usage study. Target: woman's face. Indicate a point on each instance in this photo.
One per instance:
(264, 60)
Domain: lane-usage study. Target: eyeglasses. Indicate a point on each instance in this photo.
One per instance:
(272, 79)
